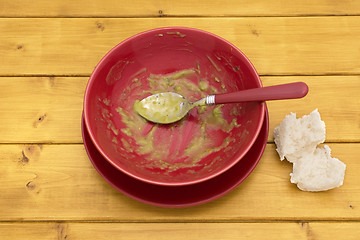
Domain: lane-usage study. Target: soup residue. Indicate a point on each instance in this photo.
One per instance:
(182, 144)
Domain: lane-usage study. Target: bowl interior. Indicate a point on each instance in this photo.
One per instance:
(193, 63)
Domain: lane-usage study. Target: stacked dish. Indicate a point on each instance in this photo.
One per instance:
(190, 162)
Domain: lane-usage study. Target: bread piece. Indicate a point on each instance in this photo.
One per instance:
(313, 168)
(318, 171)
(295, 136)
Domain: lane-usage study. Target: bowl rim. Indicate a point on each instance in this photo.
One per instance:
(182, 183)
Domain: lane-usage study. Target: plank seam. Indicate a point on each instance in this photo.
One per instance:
(261, 75)
(186, 16)
(80, 143)
(164, 221)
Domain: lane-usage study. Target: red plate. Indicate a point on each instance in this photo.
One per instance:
(178, 196)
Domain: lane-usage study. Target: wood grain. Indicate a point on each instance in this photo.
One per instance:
(337, 98)
(276, 45)
(48, 109)
(163, 8)
(48, 186)
(174, 231)
(41, 109)
(58, 182)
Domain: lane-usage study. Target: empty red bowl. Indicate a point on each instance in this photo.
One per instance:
(193, 63)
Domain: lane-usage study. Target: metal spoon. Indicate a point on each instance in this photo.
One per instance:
(169, 107)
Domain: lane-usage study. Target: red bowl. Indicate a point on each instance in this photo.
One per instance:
(193, 62)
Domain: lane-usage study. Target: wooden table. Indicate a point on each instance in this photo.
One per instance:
(50, 190)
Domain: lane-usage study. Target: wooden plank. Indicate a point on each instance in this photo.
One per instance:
(58, 182)
(161, 8)
(41, 109)
(336, 98)
(174, 231)
(276, 45)
(48, 110)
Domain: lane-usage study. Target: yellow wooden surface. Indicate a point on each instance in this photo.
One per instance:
(50, 190)
(49, 108)
(179, 231)
(58, 182)
(167, 8)
(275, 45)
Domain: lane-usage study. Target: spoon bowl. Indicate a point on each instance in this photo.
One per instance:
(166, 107)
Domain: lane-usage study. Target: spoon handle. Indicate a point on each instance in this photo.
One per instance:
(276, 92)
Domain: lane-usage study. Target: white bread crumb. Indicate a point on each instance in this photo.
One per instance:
(313, 168)
(295, 136)
(318, 171)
